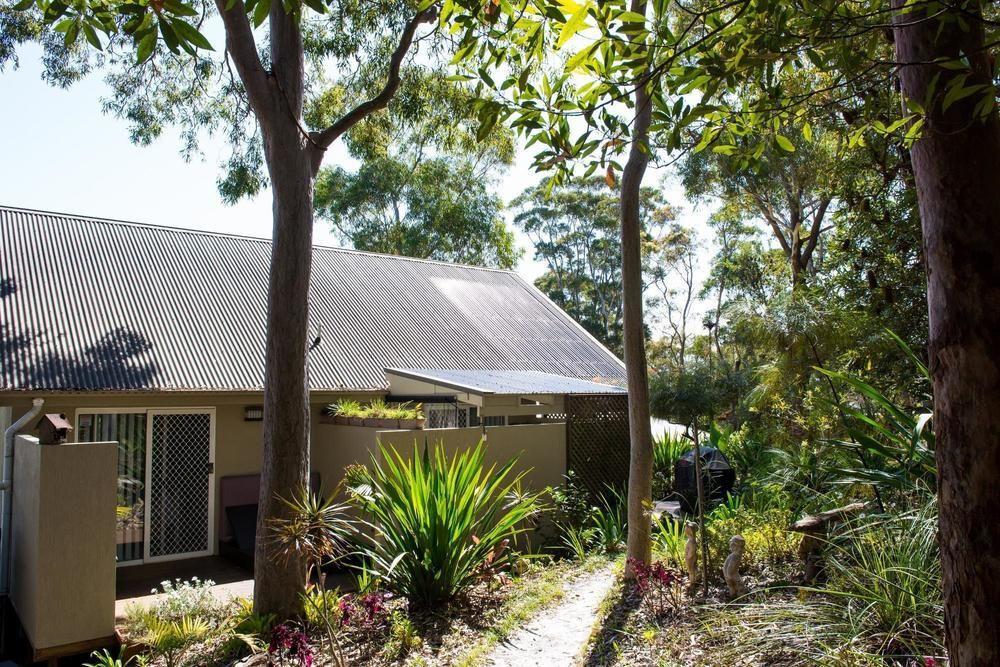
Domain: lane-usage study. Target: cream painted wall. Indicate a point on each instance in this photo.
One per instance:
(63, 547)
(541, 447)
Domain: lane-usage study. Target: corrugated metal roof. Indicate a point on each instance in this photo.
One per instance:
(89, 304)
(483, 381)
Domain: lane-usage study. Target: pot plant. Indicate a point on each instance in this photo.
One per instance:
(411, 418)
(340, 413)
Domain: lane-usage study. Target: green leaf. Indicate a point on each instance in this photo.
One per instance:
(573, 25)
(807, 132)
(146, 46)
(260, 11)
(316, 6)
(190, 34)
(784, 143)
(24, 4)
(91, 35)
(179, 8)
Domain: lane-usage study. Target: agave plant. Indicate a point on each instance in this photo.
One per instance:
(437, 519)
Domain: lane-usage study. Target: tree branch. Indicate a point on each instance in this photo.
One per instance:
(323, 139)
(242, 47)
(815, 232)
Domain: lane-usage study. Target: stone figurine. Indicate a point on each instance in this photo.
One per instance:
(731, 568)
(691, 552)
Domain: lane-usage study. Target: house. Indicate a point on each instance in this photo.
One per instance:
(154, 337)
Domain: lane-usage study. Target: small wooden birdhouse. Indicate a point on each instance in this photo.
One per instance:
(53, 429)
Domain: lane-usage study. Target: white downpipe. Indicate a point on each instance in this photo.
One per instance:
(6, 486)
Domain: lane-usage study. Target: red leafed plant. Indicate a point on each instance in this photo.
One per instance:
(658, 586)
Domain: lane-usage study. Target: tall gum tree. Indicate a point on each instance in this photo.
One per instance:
(275, 88)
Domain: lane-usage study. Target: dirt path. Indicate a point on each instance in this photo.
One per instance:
(557, 635)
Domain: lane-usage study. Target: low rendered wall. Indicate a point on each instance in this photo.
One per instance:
(63, 549)
(538, 447)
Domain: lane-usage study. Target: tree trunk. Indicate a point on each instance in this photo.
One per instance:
(278, 584)
(640, 477)
(957, 171)
(700, 490)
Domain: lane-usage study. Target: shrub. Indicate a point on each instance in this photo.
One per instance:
(609, 521)
(290, 646)
(667, 451)
(886, 576)
(768, 540)
(186, 598)
(668, 536)
(438, 519)
(659, 586)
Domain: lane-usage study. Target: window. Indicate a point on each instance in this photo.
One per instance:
(129, 429)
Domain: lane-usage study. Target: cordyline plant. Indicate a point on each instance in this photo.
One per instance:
(316, 531)
(439, 520)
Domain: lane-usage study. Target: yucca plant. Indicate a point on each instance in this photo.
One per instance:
(438, 520)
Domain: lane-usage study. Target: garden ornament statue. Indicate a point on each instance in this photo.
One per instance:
(731, 568)
(691, 552)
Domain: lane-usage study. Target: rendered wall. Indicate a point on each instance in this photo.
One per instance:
(539, 447)
(63, 548)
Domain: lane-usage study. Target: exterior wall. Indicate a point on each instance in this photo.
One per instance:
(541, 447)
(63, 547)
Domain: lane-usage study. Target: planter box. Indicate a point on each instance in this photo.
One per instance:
(331, 419)
(411, 424)
(357, 421)
(385, 423)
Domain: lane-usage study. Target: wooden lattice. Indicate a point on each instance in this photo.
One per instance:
(597, 440)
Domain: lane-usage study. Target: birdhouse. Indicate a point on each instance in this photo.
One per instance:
(53, 429)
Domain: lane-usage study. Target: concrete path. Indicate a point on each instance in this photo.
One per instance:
(556, 637)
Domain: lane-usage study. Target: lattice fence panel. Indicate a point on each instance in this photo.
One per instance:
(597, 440)
(179, 474)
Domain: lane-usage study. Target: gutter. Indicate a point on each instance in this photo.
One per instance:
(6, 486)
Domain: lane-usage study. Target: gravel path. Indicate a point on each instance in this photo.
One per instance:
(557, 635)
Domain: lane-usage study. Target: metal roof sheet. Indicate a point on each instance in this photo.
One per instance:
(90, 305)
(485, 381)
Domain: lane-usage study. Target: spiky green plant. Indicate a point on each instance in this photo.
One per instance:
(668, 536)
(438, 519)
(667, 451)
(609, 521)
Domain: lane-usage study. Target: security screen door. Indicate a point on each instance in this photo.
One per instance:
(179, 481)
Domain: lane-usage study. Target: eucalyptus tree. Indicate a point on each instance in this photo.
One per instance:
(574, 229)
(163, 70)
(426, 184)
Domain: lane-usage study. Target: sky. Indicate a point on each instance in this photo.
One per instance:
(59, 152)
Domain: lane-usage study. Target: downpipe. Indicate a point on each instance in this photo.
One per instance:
(6, 486)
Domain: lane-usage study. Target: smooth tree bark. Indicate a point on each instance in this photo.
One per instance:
(293, 158)
(956, 166)
(640, 477)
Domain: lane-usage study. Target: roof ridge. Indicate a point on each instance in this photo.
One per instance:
(245, 237)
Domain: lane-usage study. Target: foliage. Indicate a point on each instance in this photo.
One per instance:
(403, 637)
(438, 208)
(290, 646)
(895, 448)
(667, 451)
(168, 639)
(437, 519)
(316, 530)
(570, 501)
(769, 542)
(609, 521)
(103, 658)
(574, 231)
(669, 540)
(885, 575)
(658, 586)
(376, 409)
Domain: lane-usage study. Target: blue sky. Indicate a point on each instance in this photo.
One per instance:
(59, 152)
